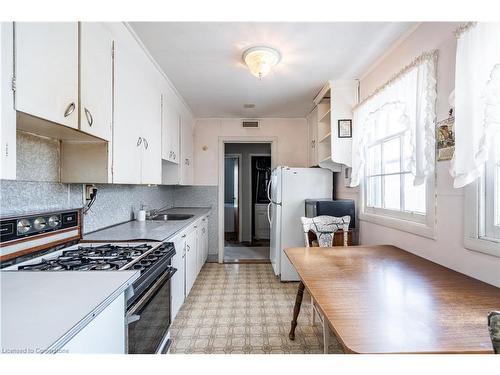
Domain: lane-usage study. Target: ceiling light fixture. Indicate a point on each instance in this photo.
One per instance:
(260, 60)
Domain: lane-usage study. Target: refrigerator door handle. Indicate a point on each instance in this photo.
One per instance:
(269, 189)
(269, 212)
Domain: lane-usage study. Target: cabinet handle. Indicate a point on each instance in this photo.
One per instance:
(174, 155)
(186, 161)
(183, 236)
(139, 141)
(89, 117)
(69, 109)
(188, 247)
(146, 143)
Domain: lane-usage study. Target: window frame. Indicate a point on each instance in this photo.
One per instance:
(412, 222)
(476, 200)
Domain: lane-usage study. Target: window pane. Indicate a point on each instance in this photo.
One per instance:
(407, 153)
(414, 198)
(392, 192)
(373, 161)
(391, 156)
(374, 192)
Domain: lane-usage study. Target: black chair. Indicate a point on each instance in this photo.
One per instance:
(494, 328)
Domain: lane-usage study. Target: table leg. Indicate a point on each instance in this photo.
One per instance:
(296, 310)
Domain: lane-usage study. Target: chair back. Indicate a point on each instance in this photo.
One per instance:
(324, 227)
(494, 328)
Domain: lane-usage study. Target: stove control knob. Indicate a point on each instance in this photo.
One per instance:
(23, 226)
(54, 221)
(40, 223)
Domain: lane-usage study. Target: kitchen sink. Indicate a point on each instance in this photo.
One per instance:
(168, 217)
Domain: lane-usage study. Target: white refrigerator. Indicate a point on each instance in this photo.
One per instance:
(287, 191)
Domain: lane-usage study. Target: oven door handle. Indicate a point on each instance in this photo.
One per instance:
(132, 318)
(150, 293)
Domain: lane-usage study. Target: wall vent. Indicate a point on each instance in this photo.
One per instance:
(250, 123)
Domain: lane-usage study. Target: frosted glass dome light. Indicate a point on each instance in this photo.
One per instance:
(260, 60)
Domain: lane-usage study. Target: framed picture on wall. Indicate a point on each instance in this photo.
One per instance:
(345, 128)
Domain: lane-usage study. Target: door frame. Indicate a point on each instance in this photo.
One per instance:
(273, 141)
(250, 210)
(240, 187)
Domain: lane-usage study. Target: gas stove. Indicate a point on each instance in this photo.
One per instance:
(51, 242)
(99, 257)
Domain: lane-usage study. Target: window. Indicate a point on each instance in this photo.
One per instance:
(476, 163)
(393, 150)
(389, 182)
(490, 196)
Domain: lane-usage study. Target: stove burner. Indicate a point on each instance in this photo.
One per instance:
(152, 258)
(145, 263)
(139, 267)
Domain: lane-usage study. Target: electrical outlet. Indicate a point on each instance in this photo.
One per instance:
(88, 190)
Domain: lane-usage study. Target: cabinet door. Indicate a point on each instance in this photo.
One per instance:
(204, 232)
(312, 122)
(128, 113)
(186, 162)
(47, 70)
(199, 247)
(171, 120)
(96, 80)
(179, 279)
(151, 134)
(7, 112)
(191, 260)
(262, 227)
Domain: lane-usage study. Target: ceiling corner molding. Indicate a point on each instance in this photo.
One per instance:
(157, 66)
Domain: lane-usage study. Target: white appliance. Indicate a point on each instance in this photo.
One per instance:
(287, 191)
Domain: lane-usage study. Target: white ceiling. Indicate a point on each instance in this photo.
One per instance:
(203, 61)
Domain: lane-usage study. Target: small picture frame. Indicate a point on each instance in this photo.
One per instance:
(345, 128)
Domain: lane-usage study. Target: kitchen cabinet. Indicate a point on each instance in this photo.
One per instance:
(178, 282)
(96, 80)
(191, 260)
(204, 241)
(262, 226)
(186, 163)
(312, 120)
(46, 71)
(171, 124)
(137, 122)
(105, 334)
(7, 113)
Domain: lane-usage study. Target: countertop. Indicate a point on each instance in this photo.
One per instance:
(42, 311)
(149, 229)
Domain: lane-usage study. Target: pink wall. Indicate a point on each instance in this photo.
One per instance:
(291, 135)
(447, 249)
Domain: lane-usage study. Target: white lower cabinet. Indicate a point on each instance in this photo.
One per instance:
(191, 248)
(178, 282)
(105, 334)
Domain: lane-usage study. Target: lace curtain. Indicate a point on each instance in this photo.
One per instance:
(406, 104)
(477, 100)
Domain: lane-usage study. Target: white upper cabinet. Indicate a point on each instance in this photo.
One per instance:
(127, 141)
(46, 71)
(187, 170)
(96, 80)
(137, 121)
(171, 122)
(7, 113)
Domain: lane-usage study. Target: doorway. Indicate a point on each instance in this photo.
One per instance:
(247, 170)
(232, 190)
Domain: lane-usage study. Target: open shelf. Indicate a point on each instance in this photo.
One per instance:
(326, 116)
(326, 138)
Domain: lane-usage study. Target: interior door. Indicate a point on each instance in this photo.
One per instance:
(96, 79)
(46, 61)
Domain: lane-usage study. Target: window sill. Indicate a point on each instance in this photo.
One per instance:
(412, 227)
(483, 246)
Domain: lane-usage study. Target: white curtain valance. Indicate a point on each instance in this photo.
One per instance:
(477, 100)
(405, 104)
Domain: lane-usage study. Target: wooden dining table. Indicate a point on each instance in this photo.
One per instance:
(382, 299)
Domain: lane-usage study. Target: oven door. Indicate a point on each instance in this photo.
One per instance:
(150, 317)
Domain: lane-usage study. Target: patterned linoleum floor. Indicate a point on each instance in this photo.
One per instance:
(244, 308)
